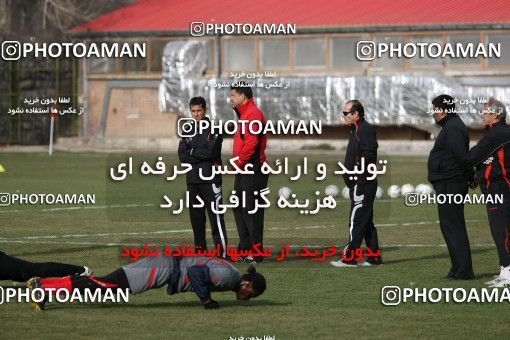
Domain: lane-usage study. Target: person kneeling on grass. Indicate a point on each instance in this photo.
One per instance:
(182, 274)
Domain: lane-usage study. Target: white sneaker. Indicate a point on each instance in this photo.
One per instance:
(87, 271)
(505, 273)
(501, 283)
(341, 264)
(495, 280)
(365, 264)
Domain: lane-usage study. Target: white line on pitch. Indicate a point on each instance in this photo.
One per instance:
(190, 230)
(82, 207)
(144, 233)
(98, 207)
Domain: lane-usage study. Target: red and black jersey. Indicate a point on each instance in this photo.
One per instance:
(491, 157)
(250, 148)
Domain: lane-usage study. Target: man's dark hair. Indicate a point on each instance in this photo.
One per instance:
(356, 106)
(257, 280)
(243, 88)
(448, 107)
(198, 101)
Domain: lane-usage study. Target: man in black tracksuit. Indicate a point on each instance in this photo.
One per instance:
(203, 152)
(450, 173)
(362, 145)
(491, 157)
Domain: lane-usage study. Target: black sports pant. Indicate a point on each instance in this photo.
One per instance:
(115, 280)
(361, 218)
(210, 193)
(14, 269)
(453, 227)
(249, 226)
(499, 220)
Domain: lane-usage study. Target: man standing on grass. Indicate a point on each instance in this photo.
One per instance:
(251, 149)
(362, 147)
(491, 157)
(203, 152)
(450, 174)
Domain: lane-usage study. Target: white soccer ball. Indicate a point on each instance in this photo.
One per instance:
(394, 191)
(406, 189)
(345, 193)
(332, 190)
(427, 189)
(379, 193)
(285, 192)
(419, 188)
(423, 189)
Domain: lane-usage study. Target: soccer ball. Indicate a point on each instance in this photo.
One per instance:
(420, 188)
(345, 193)
(394, 191)
(285, 192)
(407, 188)
(379, 193)
(424, 189)
(332, 190)
(429, 190)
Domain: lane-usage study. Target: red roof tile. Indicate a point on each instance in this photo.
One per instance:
(170, 15)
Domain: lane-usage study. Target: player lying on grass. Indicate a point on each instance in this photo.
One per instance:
(14, 269)
(182, 274)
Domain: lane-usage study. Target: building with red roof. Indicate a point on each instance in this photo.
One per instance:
(324, 43)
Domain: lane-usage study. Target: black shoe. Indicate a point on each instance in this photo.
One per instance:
(249, 259)
(469, 276)
(228, 259)
(374, 261)
(32, 284)
(450, 275)
(258, 259)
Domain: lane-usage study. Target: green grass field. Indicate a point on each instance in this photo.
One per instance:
(304, 299)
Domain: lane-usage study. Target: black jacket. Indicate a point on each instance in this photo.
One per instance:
(202, 151)
(448, 158)
(362, 143)
(491, 157)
